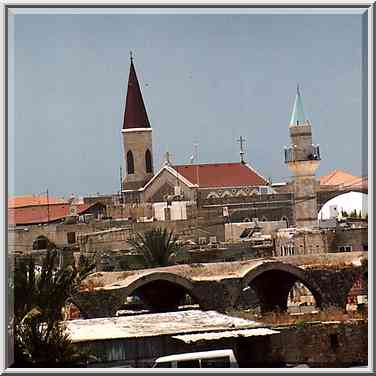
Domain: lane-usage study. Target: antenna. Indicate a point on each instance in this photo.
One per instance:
(241, 140)
(48, 207)
(197, 164)
(131, 55)
(121, 184)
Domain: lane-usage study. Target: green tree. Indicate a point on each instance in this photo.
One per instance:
(157, 246)
(39, 299)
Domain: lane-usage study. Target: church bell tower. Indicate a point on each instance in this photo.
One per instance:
(303, 158)
(137, 137)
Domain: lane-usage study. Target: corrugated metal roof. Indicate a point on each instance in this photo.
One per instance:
(155, 324)
(208, 336)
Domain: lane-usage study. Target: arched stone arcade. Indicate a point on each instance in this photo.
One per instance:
(272, 282)
(161, 291)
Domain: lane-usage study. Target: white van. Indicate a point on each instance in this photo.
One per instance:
(206, 359)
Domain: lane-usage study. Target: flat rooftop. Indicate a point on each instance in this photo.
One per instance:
(155, 324)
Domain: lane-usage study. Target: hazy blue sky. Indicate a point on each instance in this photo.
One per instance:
(205, 77)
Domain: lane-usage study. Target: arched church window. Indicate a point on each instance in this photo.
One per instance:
(149, 166)
(130, 163)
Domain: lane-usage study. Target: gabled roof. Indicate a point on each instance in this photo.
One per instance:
(339, 177)
(135, 115)
(298, 116)
(217, 175)
(33, 200)
(43, 213)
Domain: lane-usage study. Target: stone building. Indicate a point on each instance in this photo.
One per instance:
(137, 137)
(303, 159)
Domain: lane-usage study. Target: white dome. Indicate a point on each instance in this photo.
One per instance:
(346, 202)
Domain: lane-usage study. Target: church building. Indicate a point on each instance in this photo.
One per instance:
(175, 182)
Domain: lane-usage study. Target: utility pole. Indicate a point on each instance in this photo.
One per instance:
(198, 185)
(241, 140)
(48, 208)
(121, 191)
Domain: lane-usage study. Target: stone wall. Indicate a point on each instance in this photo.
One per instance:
(270, 207)
(357, 238)
(304, 242)
(133, 211)
(334, 344)
(20, 238)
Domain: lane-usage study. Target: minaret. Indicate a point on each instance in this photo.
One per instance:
(303, 159)
(137, 137)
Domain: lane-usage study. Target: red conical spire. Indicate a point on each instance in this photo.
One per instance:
(135, 115)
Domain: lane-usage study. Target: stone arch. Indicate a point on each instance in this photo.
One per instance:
(162, 291)
(324, 196)
(130, 162)
(272, 282)
(148, 162)
(41, 242)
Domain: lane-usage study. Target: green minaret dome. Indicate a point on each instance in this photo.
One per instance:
(298, 117)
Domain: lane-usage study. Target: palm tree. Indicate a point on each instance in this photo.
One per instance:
(157, 246)
(39, 299)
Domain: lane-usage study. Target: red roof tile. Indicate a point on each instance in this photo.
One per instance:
(42, 213)
(33, 200)
(221, 175)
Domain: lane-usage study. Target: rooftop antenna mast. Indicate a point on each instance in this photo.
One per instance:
(121, 184)
(48, 207)
(241, 140)
(197, 164)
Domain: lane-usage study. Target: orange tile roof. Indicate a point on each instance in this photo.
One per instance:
(33, 200)
(221, 175)
(42, 213)
(338, 177)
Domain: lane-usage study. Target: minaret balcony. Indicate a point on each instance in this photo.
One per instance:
(295, 154)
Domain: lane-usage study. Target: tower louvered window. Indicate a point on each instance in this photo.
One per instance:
(130, 163)
(149, 166)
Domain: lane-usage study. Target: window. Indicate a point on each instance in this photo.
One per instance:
(148, 162)
(223, 362)
(71, 237)
(334, 343)
(163, 365)
(192, 363)
(130, 163)
(345, 248)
